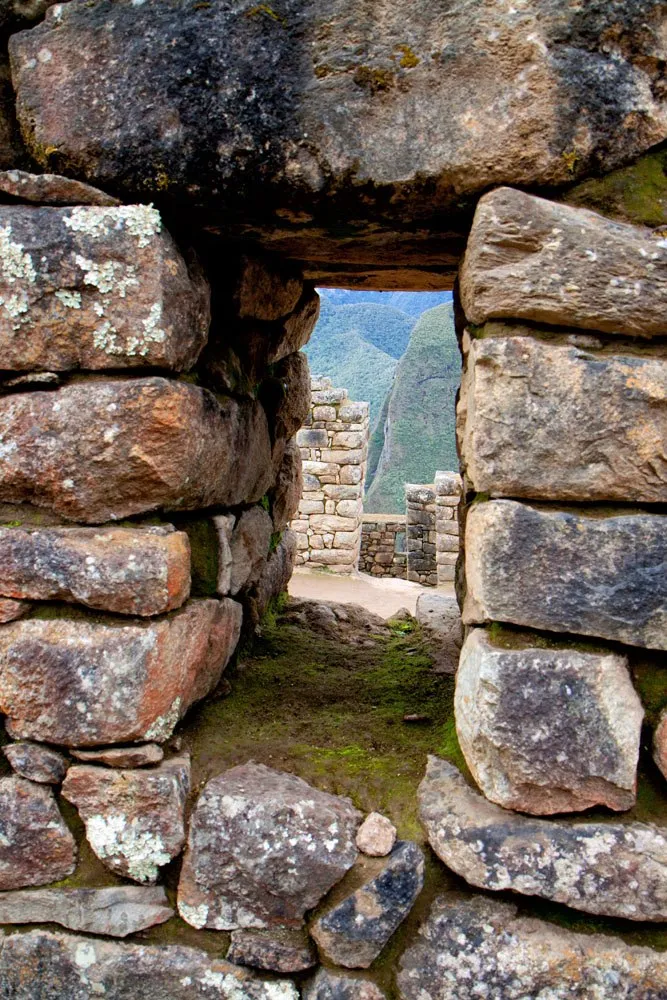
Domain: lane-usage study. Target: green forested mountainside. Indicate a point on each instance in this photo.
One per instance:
(354, 364)
(386, 328)
(419, 430)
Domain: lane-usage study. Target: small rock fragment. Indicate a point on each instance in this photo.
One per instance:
(478, 940)
(376, 835)
(52, 189)
(36, 762)
(135, 820)
(141, 756)
(355, 931)
(116, 911)
(328, 985)
(36, 846)
(612, 869)
(10, 609)
(276, 950)
(244, 869)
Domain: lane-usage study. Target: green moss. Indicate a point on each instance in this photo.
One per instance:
(374, 79)
(263, 10)
(635, 194)
(204, 559)
(408, 58)
(651, 684)
(333, 713)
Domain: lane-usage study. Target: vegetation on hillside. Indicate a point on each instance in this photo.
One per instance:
(419, 430)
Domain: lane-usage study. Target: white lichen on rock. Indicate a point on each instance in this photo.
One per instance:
(70, 299)
(162, 728)
(16, 265)
(141, 221)
(112, 276)
(112, 836)
(196, 916)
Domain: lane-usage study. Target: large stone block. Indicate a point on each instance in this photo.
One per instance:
(288, 487)
(518, 957)
(96, 287)
(547, 730)
(543, 418)
(40, 964)
(528, 258)
(238, 873)
(134, 571)
(599, 574)
(87, 682)
(612, 869)
(116, 911)
(103, 450)
(198, 136)
(135, 820)
(36, 846)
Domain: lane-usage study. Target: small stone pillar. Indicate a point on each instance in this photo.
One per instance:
(420, 521)
(448, 490)
(334, 450)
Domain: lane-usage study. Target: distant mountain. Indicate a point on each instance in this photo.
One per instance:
(417, 436)
(359, 337)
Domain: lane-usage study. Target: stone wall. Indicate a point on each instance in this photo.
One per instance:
(383, 545)
(420, 526)
(334, 450)
(448, 489)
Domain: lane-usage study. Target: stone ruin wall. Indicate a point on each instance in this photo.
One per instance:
(383, 545)
(334, 452)
(132, 428)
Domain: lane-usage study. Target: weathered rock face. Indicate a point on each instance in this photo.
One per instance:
(288, 487)
(465, 941)
(440, 618)
(547, 730)
(116, 911)
(660, 743)
(36, 847)
(336, 92)
(289, 401)
(277, 950)
(92, 287)
(36, 762)
(376, 835)
(10, 610)
(355, 931)
(249, 546)
(275, 577)
(613, 869)
(107, 449)
(142, 756)
(328, 985)
(264, 289)
(528, 258)
(63, 965)
(563, 420)
(568, 572)
(135, 820)
(136, 571)
(76, 682)
(243, 870)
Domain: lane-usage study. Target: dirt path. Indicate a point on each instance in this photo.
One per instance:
(383, 596)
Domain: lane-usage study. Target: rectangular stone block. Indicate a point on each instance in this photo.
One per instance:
(342, 457)
(447, 543)
(596, 574)
(89, 682)
(555, 420)
(348, 439)
(324, 413)
(333, 557)
(543, 261)
(354, 412)
(319, 468)
(103, 450)
(346, 540)
(341, 492)
(349, 508)
(93, 287)
(312, 438)
(446, 558)
(350, 475)
(134, 571)
(332, 522)
(311, 507)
